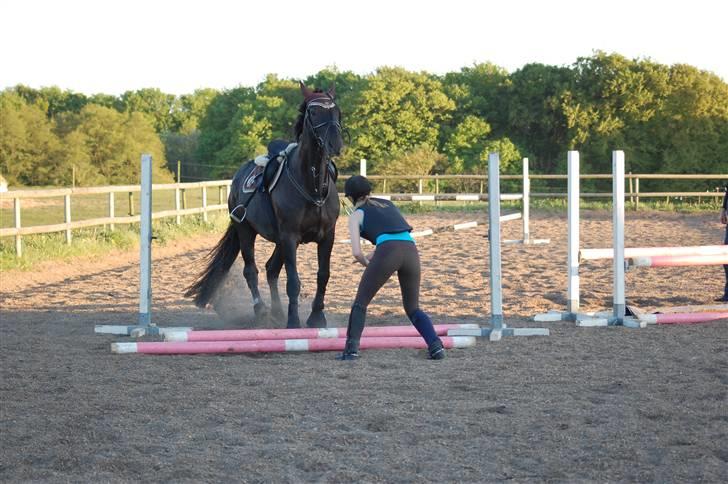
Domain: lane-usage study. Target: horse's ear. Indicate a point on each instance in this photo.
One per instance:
(305, 91)
(332, 90)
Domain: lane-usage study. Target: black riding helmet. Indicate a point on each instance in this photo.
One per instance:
(357, 187)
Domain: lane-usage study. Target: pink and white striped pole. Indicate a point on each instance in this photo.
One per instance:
(630, 252)
(677, 260)
(302, 333)
(682, 318)
(283, 345)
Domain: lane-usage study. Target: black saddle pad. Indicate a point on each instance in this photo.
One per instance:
(276, 146)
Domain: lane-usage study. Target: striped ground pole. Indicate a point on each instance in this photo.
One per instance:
(303, 333)
(682, 318)
(678, 260)
(282, 345)
(629, 252)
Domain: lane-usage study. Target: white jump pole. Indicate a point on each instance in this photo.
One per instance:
(363, 167)
(572, 306)
(618, 234)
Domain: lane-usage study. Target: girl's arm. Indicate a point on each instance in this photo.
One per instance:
(355, 220)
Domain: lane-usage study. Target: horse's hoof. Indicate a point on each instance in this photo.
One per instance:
(277, 315)
(261, 312)
(316, 320)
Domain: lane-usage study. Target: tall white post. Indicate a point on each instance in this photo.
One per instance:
(496, 297)
(618, 233)
(363, 167)
(573, 230)
(526, 202)
(145, 251)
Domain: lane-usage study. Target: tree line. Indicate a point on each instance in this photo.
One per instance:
(668, 119)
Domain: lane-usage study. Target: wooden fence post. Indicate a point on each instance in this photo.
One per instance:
(631, 197)
(112, 209)
(131, 204)
(67, 207)
(637, 191)
(204, 204)
(177, 204)
(18, 238)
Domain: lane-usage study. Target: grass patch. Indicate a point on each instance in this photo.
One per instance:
(99, 241)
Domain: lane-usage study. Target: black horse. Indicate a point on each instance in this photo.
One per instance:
(303, 207)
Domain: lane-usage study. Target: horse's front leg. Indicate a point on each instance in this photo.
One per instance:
(293, 284)
(317, 319)
(273, 269)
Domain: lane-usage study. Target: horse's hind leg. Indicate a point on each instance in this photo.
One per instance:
(317, 319)
(247, 248)
(273, 271)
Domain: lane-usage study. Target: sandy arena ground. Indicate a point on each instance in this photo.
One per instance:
(595, 405)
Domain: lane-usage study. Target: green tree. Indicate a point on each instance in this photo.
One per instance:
(153, 102)
(115, 141)
(398, 110)
(28, 145)
(535, 114)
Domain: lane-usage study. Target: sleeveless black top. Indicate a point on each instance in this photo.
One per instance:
(381, 217)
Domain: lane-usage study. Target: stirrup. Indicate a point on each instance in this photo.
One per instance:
(245, 212)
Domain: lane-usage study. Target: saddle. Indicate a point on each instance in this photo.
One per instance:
(266, 172)
(267, 168)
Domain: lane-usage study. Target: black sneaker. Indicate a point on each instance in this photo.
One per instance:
(436, 350)
(347, 356)
(724, 298)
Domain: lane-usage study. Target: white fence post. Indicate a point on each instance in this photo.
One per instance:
(204, 204)
(145, 246)
(18, 238)
(177, 204)
(363, 167)
(573, 221)
(67, 207)
(112, 209)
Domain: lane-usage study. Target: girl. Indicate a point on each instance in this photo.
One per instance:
(381, 223)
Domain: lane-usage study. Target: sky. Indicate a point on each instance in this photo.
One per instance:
(110, 46)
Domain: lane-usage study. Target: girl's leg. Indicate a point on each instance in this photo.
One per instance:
(409, 282)
(381, 267)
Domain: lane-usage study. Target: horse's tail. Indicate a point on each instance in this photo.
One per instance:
(219, 261)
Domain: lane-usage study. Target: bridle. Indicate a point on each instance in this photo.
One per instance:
(321, 191)
(325, 103)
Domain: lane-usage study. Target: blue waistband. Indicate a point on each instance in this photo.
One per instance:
(398, 236)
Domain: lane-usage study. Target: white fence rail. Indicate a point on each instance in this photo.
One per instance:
(223, 186)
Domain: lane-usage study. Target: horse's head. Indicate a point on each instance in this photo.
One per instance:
(320, 120)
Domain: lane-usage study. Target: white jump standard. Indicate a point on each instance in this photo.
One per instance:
(497, 327)
(145, 325)
(624, 258)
